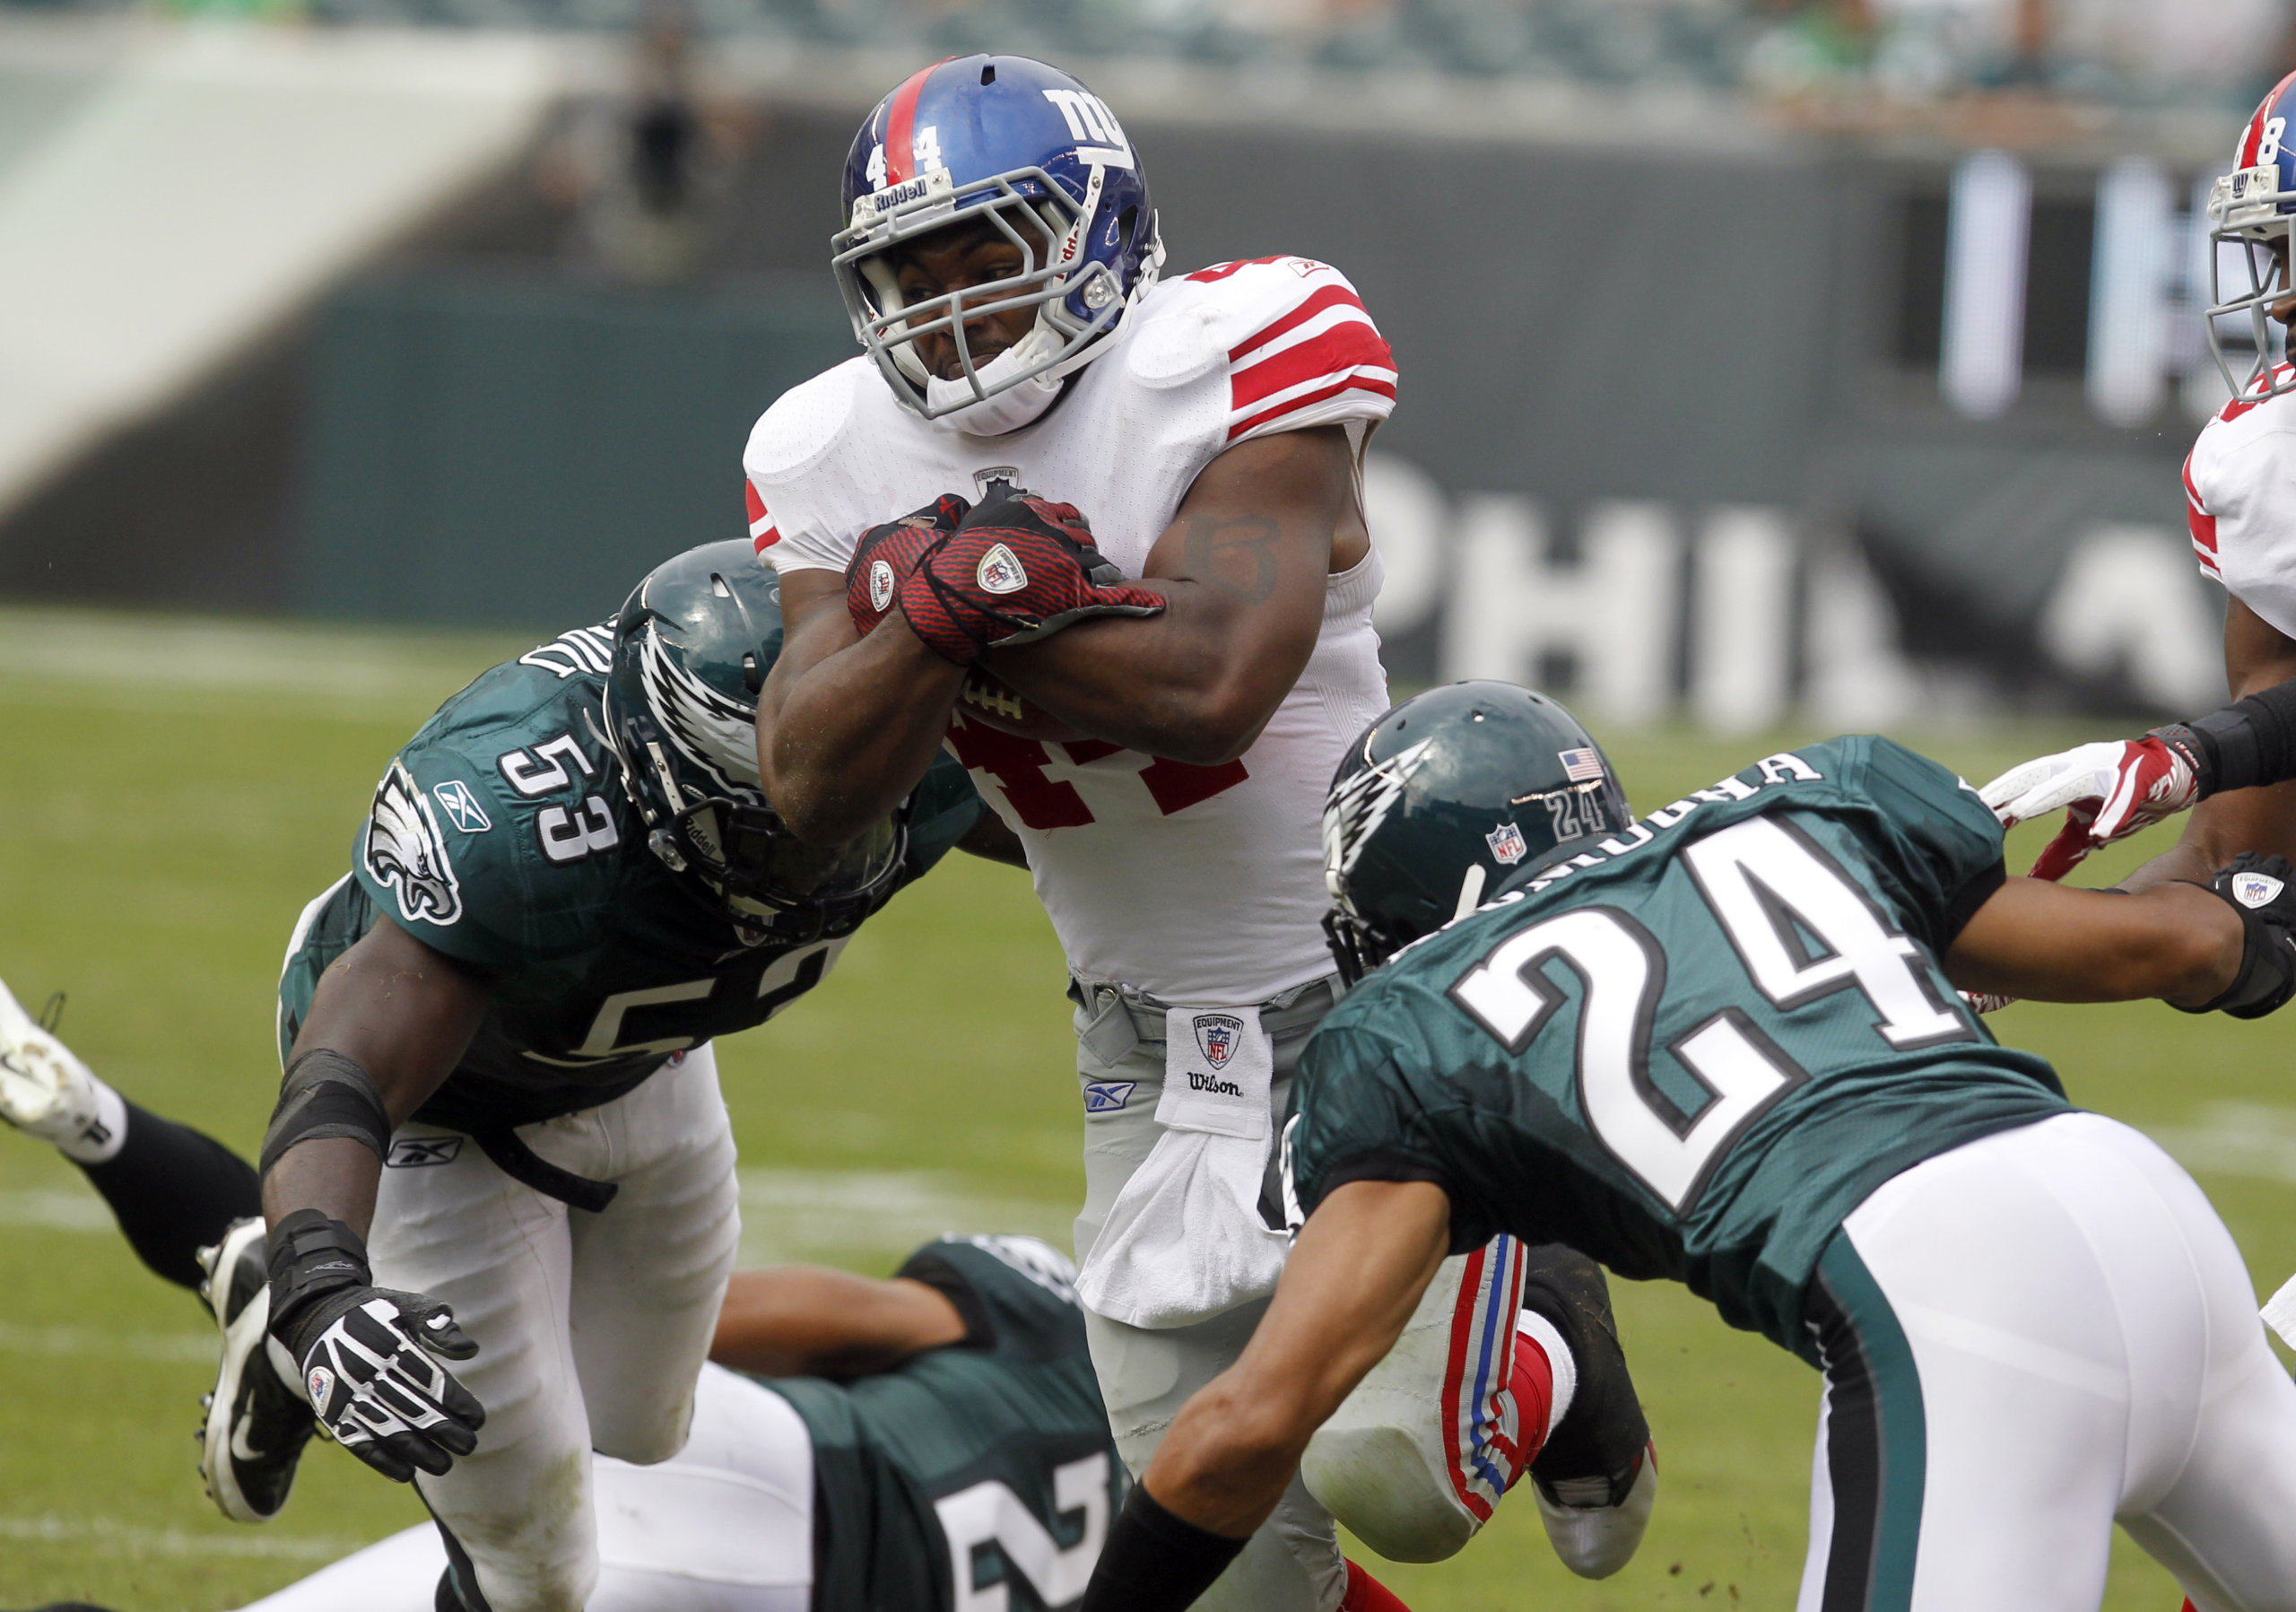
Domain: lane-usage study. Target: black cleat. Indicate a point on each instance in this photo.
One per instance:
(1597, 1473)
(256, 1426)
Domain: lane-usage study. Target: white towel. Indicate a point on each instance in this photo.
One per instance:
(1184, 1241)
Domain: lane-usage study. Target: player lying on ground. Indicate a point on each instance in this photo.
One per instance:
(1158, 746)
(943, 1412)
(892, 1432)
(1723, 1046)
(501, 1125)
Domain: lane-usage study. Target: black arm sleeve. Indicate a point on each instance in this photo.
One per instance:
(1155, 1562)
(2246, 745)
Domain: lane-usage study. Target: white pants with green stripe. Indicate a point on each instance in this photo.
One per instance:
(2026, 1340)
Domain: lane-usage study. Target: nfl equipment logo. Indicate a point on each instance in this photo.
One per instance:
(1506, 842)
(1216, 1035)
(881, 585)
(1000, 571)
(320, 1385)
(1580, 766)
(2255, 889)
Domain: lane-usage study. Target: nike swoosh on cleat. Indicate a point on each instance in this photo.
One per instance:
(239, 1450)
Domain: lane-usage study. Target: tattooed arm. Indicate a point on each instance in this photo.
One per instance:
(1242, 566)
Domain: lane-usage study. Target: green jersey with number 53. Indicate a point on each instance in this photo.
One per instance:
(1693, 1049)
(501, 836)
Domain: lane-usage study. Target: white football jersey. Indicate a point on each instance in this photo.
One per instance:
(2240, 501)
(1198, 885)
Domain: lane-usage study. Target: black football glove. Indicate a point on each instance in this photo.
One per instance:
(2262, 891)
(1018, 568)
(886, 554)
(365, 1352)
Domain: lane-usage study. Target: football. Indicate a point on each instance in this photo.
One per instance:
(989, 700)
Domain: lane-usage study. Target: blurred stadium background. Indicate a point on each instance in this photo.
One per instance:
(1769, 368)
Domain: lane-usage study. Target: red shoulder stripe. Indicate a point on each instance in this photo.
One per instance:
(1330, 296)
(1327, 352)
(1353, 383)
(761, 530)
(2201, 522)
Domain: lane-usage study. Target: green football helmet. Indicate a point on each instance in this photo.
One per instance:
(1444, 798)
(691, 647)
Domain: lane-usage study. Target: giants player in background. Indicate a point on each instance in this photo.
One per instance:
(1163, 761)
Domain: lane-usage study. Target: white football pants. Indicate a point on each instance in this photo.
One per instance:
(590, 1328)
(725, 1525)
(2027, 1340)
(1413, 1460)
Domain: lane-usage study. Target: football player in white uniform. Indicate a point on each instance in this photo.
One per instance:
(1163, 762)
(2239, 485)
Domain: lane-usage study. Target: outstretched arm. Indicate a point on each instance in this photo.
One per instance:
(2045, 942)
(806, 1320)
(2257, 656)
(1358, 1271)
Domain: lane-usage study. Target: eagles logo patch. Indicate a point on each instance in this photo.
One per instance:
(405, 852)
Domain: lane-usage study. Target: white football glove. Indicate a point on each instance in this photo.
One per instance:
(2107, 791)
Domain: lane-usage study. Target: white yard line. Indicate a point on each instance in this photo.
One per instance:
(59, 656)
(2252, 1139)
(83, 1343)
(789, 1213)
(127, 1540)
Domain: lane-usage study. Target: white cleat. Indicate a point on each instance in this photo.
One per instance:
(1593, 1536)
(44, 1090)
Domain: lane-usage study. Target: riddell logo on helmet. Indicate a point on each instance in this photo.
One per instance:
(1000, 571)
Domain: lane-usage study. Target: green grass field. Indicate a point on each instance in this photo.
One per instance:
(172, 793)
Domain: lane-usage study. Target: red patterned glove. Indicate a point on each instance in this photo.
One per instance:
(2108, 790)
(886, 554)
(1017, 569)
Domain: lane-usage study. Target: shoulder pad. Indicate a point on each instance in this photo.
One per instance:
(804, 421)
(1191, 325)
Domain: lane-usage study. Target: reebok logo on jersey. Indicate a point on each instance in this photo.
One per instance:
(1107, 1097)
(2255, 889)
(415, 1153)
(1213, 1084)
(462, 806)
(881, 585)
(1000, 571)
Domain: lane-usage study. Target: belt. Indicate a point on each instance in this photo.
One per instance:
(523, 1164)
(1111, 1033)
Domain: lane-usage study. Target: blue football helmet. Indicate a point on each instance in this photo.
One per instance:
(1030, 149)
(2251, 210)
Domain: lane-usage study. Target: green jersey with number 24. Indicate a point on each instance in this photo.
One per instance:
(501, 836)
(1693, 1047)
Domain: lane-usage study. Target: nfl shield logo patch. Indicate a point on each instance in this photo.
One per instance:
(881, 585)
(1216, 1034)
(1506, 842)
(2255, 889)
(1000, 571)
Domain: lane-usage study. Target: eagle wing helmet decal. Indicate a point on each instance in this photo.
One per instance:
(405, 851)
(1357, 808)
